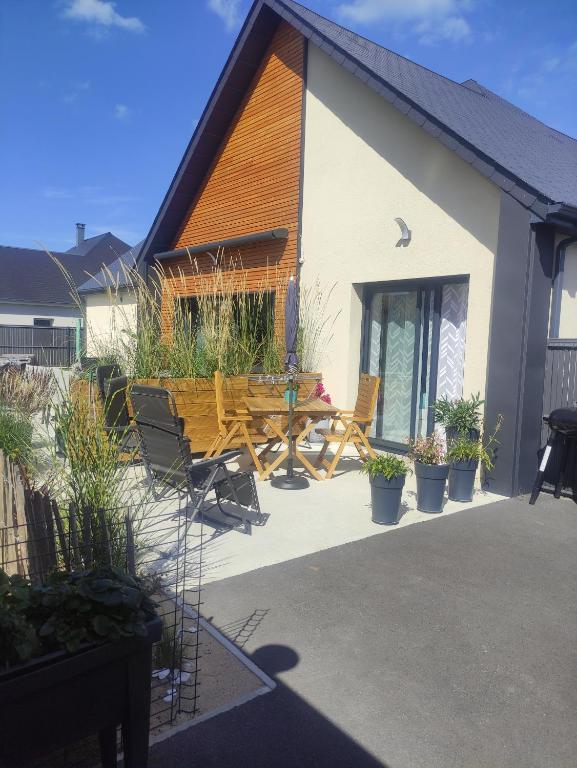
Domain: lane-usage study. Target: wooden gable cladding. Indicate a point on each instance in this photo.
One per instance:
(253, 184)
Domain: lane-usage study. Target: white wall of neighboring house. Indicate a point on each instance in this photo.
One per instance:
(568, 315)
(364, 165)
(24, 314)
(107, 316)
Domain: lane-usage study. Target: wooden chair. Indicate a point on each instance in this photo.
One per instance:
(355, 426)
(236, 427)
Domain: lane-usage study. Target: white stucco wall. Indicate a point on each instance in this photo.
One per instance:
(364, 165)
(24, 314)
(568, 315)
(107, 315)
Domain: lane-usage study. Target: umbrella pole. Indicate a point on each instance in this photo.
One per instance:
(290, 481)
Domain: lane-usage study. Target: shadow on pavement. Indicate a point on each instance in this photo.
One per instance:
(276, 730)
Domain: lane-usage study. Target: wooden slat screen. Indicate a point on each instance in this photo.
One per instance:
(252, 185)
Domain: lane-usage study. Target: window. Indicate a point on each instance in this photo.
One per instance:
(250, 314)
(44, 322)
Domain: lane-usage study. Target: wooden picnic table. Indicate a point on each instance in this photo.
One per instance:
(310, 411)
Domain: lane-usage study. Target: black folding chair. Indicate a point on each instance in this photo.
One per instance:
(166, 454)
(562, 436)
(103, 373)
(116, 417)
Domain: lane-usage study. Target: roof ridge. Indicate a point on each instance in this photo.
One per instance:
(368, 40)
(40, 250)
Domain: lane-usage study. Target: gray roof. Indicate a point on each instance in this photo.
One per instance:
(30, 276)
(531, 161)
(539, 156)
(116, 275)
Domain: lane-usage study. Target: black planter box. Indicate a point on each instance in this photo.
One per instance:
(60, 698)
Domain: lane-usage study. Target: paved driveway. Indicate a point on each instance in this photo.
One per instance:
(447, 643)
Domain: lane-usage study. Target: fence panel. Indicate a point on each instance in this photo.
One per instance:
(560, 389)
(52, 346)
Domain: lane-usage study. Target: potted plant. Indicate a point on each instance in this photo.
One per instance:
(461, 417)
(431, 470)
(464, 456)
(387, 477)
(75, 659)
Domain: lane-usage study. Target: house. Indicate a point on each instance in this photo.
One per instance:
(110, 300)
(35, 295)
(33, 290)
(445, 217)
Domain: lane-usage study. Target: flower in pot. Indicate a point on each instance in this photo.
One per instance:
(431, 471)
(387, 477)
(461, 417)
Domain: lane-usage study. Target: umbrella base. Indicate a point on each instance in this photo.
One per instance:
(286, 483)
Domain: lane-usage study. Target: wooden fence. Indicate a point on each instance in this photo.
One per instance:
(35, 538)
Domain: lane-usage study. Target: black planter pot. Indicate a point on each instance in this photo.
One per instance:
(452, 434)
(462, 480)
(431, 481)
(386, 499)
(60, 698)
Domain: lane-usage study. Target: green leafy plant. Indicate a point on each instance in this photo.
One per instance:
(427, 450)
(69, 610)
(16, 437)
(18, 638)
(465, 449)
(89, 607)
(461, 415)
(387, 465)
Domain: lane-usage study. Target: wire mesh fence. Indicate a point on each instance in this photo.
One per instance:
(152, 540)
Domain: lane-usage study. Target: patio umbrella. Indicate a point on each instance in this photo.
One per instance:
(290, 481)
(291, 361)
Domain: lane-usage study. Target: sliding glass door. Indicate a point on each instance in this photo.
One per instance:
(414, 339)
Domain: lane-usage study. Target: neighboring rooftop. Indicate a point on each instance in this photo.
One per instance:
(116, 274)
(30, 276)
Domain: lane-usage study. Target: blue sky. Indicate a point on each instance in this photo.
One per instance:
(99, 99)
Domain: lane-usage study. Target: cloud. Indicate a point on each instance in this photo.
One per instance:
(76, 91)
(531, 77)
(90, 195)
(454, 29)
(433, 20)
(228, 10)
(56, 193)
(122, 113)
(102, 14)
(367, 11)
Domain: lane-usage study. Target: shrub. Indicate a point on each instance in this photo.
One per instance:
(462, 414)
(465, 449)
(387, 465)
(16, 437)
(427, 450)
(28, 391)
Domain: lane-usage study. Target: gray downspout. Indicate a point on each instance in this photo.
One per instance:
(558, 285)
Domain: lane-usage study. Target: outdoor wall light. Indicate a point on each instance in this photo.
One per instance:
(405, 234)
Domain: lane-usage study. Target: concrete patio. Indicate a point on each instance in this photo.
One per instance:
(324, 515)
(329, 513)
(444, 645)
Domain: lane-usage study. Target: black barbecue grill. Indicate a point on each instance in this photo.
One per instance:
(562, 436)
